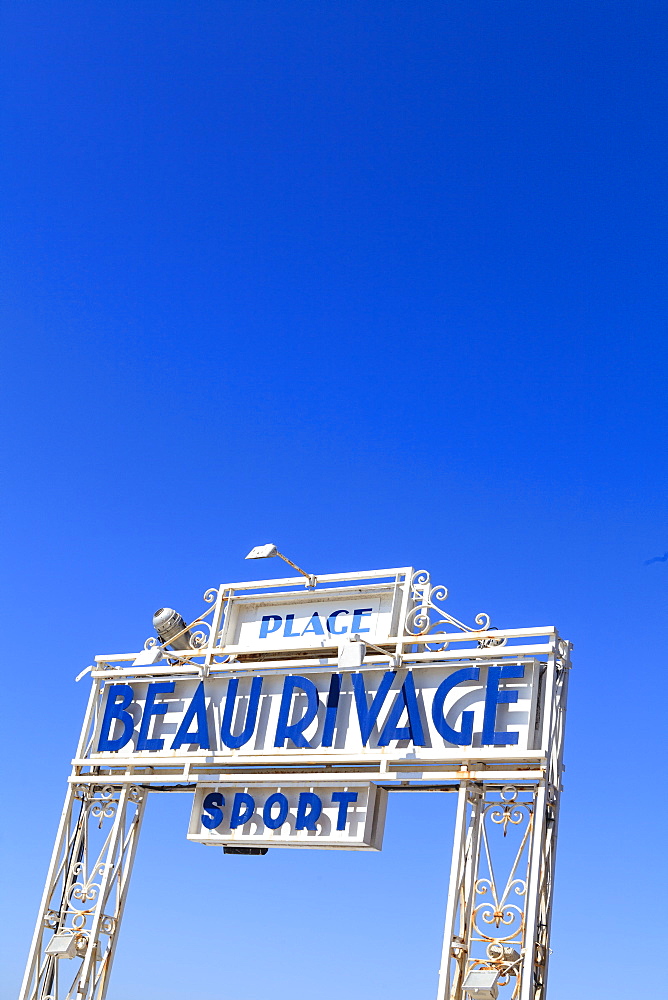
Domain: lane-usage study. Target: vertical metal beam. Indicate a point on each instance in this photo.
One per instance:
(454, 888)
(499, 905)
(528, 979)
(124, 874)
(458, 910)
(58, 857)
(85, 892)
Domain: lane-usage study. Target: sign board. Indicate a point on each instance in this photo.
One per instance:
(279, 623)
(348, 817)
(433, 710)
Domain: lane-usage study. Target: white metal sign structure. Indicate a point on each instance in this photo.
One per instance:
(290, 714)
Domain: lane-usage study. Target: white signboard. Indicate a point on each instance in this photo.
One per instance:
(349, 817)
(320, 619)
(442, 710)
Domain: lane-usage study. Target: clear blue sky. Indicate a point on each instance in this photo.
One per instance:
(383, 283)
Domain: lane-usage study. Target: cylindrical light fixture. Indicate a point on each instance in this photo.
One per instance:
(171, 629)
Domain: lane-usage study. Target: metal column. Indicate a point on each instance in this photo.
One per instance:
(85, 893)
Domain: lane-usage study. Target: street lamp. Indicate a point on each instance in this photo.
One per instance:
(269, 551)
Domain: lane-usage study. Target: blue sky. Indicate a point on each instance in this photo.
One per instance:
(383, 283)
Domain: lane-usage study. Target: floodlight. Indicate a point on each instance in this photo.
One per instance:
(263, 552)
(480, 984)
(171, 628)
(351, 652)
(62, 945)
(269, 551)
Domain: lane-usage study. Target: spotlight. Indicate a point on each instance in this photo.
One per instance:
(352, 650)
(480, 984)
(63, 945)
(171, 628)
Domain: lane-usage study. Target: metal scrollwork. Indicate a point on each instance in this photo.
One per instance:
(508, 810)
(198, 630)
(425, 616)
(199, 639)
(499, 910)
(104, 807)
(82, 895)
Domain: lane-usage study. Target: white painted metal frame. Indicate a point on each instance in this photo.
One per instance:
(500, 894)
(507, 808)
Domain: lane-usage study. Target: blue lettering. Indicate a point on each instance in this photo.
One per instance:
(273, 822)
(344, 799)
(306, 820)
(406, 699)
(234, 742)
(357, 618)
(295, 731)
(289, 622)
(494, 697)
(150, 708)
(331, 622)
(314, 625)
(196, 709)
(368, 714)
(463, 737)
(264, 625)
(213, 804)
(116, 710)
(331, 709)
(242, 809)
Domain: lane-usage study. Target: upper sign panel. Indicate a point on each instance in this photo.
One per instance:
(313, 620)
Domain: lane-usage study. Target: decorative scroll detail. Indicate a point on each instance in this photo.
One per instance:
(498, 917)
(425, 615)
(83, 894)
(106, 806)
(135, 794)
(508, 810)
(199, 628)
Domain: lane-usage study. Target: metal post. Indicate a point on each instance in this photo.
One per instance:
(464, 850)
(85, 892)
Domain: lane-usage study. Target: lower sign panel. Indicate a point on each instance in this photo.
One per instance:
(329, 817)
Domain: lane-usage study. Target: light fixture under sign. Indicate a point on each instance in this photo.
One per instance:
(352, 650)
(229, 849)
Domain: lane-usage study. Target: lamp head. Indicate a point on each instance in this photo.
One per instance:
(262, 552)
(171, 628)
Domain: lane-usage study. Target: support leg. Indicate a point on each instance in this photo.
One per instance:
(85, 893)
